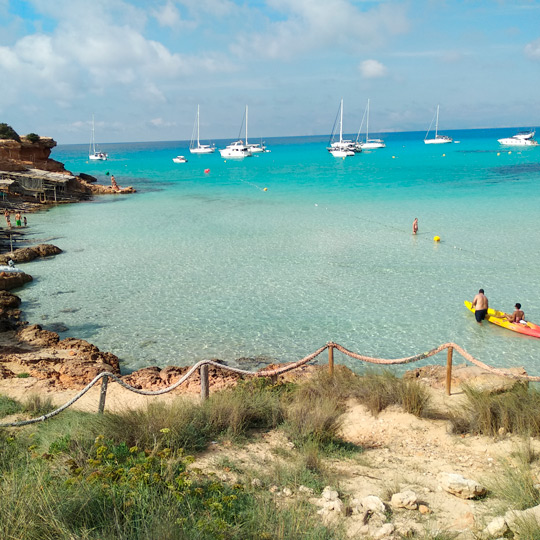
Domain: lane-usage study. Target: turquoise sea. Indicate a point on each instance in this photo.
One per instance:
(202, 265)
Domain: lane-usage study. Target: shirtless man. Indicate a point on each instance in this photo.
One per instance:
(517, 316)
(480, 305)
(415, 226)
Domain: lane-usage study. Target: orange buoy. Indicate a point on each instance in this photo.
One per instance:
(206, 171)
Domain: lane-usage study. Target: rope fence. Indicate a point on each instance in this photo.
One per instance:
(202, 367)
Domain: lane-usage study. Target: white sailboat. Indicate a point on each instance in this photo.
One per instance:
(237, 149)
(93, 153)
(341, 147)
(369, 144)
(195, 146)
(439, 139)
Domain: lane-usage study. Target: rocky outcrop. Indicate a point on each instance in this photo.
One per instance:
(13, 280)
(100, 189)
(19, 156)
(24, 255)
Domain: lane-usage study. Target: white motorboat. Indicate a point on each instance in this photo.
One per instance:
(523, 138)
(10, 268)
(342, 147)
(368, 144)
(93, 153)
(438, 139)
(238, 149)
(180, 159)
(235, 150)
(195, 146)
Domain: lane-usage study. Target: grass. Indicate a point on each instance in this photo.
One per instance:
(9, 406)
(516, 411)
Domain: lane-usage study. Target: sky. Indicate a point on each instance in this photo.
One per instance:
(142, 67)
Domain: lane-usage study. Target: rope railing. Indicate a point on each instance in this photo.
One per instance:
(202, 367)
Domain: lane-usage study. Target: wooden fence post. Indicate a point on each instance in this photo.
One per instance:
(103, 394)
(330, 359)
(205, 385)
(449, 370)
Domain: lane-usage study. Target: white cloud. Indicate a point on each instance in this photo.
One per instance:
(311, 25)
(372, 69)
(159, 122)
(532, 50)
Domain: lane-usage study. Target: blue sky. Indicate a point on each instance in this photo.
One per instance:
(142, 67)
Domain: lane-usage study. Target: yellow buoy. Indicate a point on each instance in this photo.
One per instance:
(393, 157)
(436, 238)
(265, 189)
(498, 153)
(444, 155)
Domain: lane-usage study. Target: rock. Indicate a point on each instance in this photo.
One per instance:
(497, 527)
(329, 494)
(477, 378)
(273, 489)
(287, 492)
(424, 509)
(515, 518)
(306, 490)
(460, 486)
(35, 335)
(406, 499)
(384, 532)
(13, 280)
(373, 503)
(6, 373)
(256, 483)
(9, 300)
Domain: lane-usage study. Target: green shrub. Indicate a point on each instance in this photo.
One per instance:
(33, 137)
(36, 405)
(7, 132)
(516, 411)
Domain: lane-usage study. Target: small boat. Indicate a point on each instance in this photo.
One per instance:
(237, 149)
(368, 144)
(438, 139)
(180, 159)
(10, 268)
(94, 154)
(195, 146)
(523, 138)
(342, 147)
(498, 318)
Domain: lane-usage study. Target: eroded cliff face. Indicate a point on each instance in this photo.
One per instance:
(15, 156)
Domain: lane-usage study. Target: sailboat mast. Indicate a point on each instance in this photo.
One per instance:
(198, 142)
(341, 122)
(93, 142)
(246, 124)
(367, 121)
(437, 122)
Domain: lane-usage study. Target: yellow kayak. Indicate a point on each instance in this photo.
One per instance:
(499, 318)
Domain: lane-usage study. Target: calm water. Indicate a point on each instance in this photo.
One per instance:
(200, 265)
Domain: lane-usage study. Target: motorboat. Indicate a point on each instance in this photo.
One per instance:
(438, 139)
(94, 154)
(180, 159)
(10, 268)
(235, 150)
(195, 146)
(523, 138)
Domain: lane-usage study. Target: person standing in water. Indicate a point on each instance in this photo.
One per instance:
(480, 305)
(18, 219)
(415, 225)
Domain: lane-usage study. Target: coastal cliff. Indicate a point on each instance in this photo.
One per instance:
(20, 156)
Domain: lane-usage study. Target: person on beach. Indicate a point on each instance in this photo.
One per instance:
(518, 315)
(25, 221)
(8, 221)
(6, 215)
(415, 225)
(114, 185)
(480, 305)
(18, 219)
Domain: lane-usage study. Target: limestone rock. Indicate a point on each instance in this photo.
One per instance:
(460, 486)
(24, 255)
(406, 499)
(383, 532)
(373, 503)
(13, 280)
(497, 527)
(6, 373)
(35, 335)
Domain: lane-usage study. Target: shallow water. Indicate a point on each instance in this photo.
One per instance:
(200, 265)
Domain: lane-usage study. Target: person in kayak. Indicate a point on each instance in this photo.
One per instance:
(480, 305)
(518, 315)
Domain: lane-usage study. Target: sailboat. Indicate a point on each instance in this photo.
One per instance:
(93, 153)
(341, 147)
(237, 149)
(369, 144)
(195, 146)
(439, 139)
